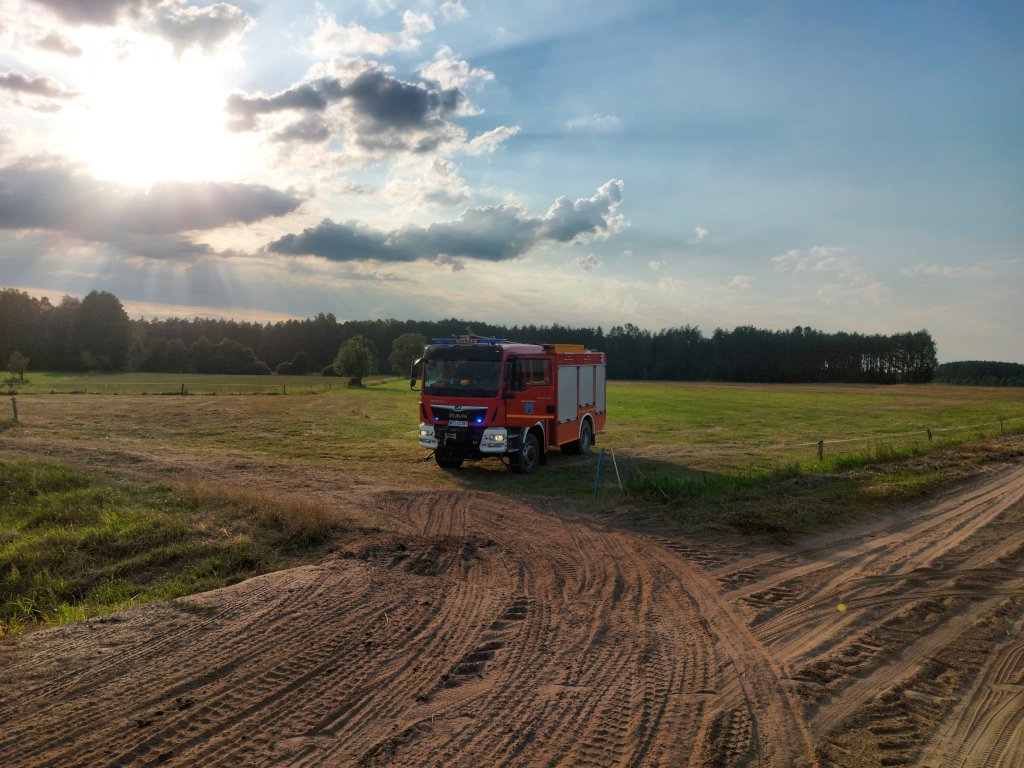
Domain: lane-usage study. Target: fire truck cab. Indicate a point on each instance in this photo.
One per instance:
(485, 397)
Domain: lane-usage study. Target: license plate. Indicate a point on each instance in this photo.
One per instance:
(458, 423)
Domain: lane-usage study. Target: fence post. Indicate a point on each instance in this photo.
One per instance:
(14, 407)
(284, 389)
(821, 450)
(599, 477)
(1000, 425)
(929, 435)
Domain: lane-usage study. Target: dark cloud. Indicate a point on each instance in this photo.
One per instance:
(389, 103)
(57, 43)
(96, 12)
(162, 248)
(40, 86)
(50, 195)
(306, 97)
(205, 28)
(340, 242)
(178, 206)
(496, 233)
(185, 26)
(308, 130)
(387, 114)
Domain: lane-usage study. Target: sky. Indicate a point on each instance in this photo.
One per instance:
(843, 166)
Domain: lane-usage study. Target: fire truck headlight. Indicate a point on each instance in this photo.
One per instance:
(494, 440)
(427, 437)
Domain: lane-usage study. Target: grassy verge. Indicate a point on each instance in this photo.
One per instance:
(802, 497)
(96, 383)
(75, 544)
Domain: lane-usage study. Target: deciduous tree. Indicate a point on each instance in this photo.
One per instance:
(404, 350)
(356, 358)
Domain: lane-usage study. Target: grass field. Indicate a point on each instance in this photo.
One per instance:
(57, 383)
(709, 427)
(76, 541)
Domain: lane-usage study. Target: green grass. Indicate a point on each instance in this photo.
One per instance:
(700, 446)
(75, 544)
(753, 427)
(50, 382)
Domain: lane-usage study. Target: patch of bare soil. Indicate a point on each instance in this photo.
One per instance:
(482, 630)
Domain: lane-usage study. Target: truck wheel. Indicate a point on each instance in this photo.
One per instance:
(581, 446)
(586, 438)
(528, 460)
(445, 460)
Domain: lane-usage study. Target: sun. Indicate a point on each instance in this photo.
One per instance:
(148, 116)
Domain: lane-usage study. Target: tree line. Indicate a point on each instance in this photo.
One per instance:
(95, 333)
(983, 373)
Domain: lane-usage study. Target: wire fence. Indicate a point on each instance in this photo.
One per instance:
(929, 434)
(242, 385)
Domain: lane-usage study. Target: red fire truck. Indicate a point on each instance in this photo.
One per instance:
(491, 397)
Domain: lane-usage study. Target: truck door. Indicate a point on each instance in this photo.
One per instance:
(532, 397)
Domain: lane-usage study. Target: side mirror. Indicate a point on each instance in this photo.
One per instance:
(416, 367)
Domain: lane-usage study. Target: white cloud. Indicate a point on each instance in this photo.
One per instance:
(853, 294)
(655, 265)
(380, 7)
(417, 23)
(742, 282)
(206, 28)
(934, 270)
(426, 182)
(827, 262)
(595, 123)
(58, 43)
(699, 233)
(670, 285)
(453, 10)
(489, 141)
(820, 258)
(587, 263)
(450, 72)
(332, 39)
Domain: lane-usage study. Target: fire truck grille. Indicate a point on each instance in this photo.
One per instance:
(472, 414)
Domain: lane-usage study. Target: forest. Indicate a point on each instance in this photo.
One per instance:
(96, 333)
(982, 373)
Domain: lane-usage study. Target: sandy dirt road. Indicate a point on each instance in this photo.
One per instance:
(482, 630)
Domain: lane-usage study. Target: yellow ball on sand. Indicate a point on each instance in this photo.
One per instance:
(842, 607)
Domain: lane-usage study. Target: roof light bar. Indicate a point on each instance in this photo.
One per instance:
(471, 340)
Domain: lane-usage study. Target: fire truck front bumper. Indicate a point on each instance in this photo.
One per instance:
(490, 440)
(428, 438)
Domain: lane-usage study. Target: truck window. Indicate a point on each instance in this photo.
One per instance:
(468, 378)
(531, 372)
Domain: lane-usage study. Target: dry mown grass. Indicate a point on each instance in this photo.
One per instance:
(75, 543)
(300, 519)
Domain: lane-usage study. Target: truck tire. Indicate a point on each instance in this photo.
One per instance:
(582, 446)
(528, 459)
(446, 460)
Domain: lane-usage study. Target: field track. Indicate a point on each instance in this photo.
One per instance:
(482, 630)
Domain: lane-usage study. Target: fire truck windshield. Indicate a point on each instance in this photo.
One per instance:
(461, 378)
